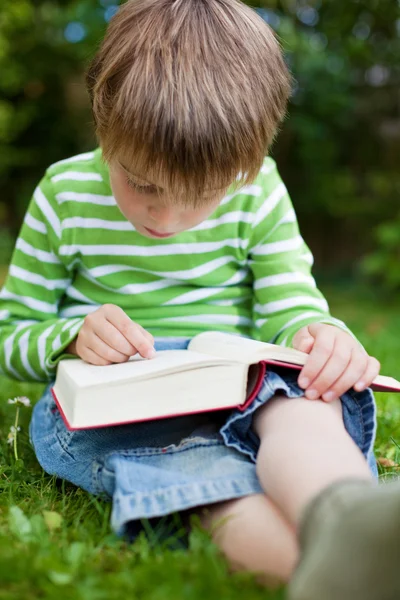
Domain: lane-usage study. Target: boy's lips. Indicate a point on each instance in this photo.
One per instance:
(157, 234)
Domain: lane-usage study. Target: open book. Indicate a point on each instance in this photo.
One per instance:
(218, 371)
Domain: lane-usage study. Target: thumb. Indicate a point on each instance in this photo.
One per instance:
(303, 340)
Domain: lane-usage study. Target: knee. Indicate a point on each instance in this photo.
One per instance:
(264, 415)
(254, 537)
(281, 414)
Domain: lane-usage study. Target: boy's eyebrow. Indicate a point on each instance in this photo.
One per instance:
(160, 189)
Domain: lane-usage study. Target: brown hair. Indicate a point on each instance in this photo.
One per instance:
(189, 93)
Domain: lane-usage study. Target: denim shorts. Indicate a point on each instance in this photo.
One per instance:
(161, 467)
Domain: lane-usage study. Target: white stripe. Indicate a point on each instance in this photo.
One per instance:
(23, 345)
(68, 324)
(72, 292)
(48, 211)
(132, 288)
(194, 296)
(202, 293)
(75, 329)
(49, 284)
(199, 271)
(140, 288)
(307, 257)
(41, 255)
(277, 247)
(75, 222)
(303, 317)
(295, 301)
(41, 345)
(236, 277)
(269, 204)
(25, 322)
(267, 167)
(73, 325)
(284, 342)
(4, 315)
(105, 270)
(98, 199)
(247, 190)
(283, 279)
(167, 250)
(78, 157)
(8, 348)
(39, 305)
(56, 343)
(218, 319)
(290, 217)
(321, 319)
(80, 310)
(76, 176)
(260, 322)
(236, 216)
(231, 302)
(35, 224)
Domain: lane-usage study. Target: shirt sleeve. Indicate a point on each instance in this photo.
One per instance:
(32, 336)
(286, 297)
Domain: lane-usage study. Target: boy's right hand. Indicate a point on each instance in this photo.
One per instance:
(109, 336)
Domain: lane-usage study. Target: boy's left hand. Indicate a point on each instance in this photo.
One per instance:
(337, 362)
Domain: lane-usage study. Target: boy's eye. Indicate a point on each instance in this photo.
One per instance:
(142, 189)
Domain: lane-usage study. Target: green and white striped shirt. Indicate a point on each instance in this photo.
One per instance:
(244, 270)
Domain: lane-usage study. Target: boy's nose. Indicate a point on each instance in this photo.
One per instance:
(165, 217)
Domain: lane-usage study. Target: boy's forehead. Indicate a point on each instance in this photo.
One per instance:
(155, 181)
(134, 173)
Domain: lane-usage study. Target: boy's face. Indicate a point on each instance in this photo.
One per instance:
(147, 208)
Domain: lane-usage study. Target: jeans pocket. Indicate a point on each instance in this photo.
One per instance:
(64, 435)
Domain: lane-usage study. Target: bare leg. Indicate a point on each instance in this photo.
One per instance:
(304, 449)
(254, 536)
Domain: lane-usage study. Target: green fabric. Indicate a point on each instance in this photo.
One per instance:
(349, 544)
(244, 270)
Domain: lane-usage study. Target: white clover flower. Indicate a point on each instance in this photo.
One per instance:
(12, 434)
(24, 400)
(20, 401)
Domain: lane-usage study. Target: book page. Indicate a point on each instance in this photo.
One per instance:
(243, 350)
(247, 351)
(167, 361)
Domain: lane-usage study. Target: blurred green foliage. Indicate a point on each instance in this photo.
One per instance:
(382, 265)
(338, 150)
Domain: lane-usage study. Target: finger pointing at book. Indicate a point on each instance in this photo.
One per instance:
(336, 363)
(109, 336)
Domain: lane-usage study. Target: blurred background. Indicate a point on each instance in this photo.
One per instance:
(338, 151)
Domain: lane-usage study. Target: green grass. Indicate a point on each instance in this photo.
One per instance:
(55, 539)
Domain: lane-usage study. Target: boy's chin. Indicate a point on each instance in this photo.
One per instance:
(154, 235)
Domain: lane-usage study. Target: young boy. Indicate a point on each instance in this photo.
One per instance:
(178, 225)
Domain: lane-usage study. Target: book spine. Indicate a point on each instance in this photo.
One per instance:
(257, 386)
